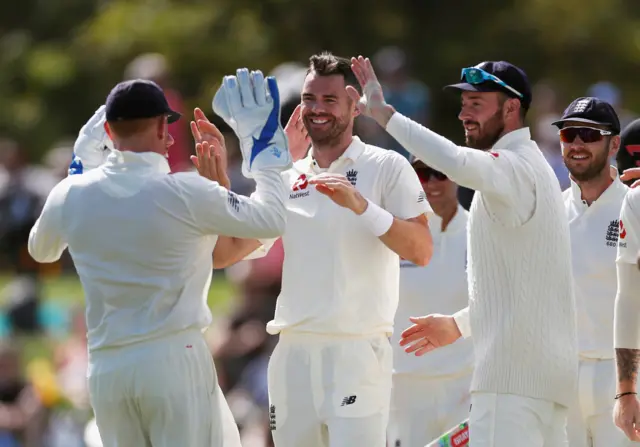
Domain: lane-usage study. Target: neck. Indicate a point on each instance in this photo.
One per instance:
(324, 155)
(447, 213)
(510, 128)
(591, 190)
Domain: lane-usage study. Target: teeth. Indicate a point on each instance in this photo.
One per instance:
(579, 157)
(319, 121)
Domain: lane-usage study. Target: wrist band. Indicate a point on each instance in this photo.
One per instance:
(376, 219)
(618, 396)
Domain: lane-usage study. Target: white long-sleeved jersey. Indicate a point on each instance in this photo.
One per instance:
(142, 241)
(521, 300)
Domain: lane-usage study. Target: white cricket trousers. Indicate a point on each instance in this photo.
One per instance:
(160, 393)
(590, 422)
(502, 420)
(330, 390)
(423, 408)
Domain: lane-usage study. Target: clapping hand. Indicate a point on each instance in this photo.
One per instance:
(211, 153)
(297, 135)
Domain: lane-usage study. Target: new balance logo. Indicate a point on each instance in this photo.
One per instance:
(352, 176)
(234, 201)
(421, 197)
(612, 233)
(348, 400)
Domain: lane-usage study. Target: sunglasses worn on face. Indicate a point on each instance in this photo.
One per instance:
(425, 174)
(586, 134)
(473, 75)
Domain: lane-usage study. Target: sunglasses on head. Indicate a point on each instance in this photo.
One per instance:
(586, 134)
(474, 75)
(425, 174)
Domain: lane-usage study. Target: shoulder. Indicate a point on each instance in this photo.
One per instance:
(632, 198)
(384, 159)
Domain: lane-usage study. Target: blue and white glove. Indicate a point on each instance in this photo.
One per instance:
(93, 145)
(250, 105)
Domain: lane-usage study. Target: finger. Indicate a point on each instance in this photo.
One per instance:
(324, 190)
(428, 348)
(197, 136)
(208, 127)
(274, 93)
(371, 73)
(410, 330)
(233, 93)
(199, 115)
(194, 160)
(357, 71)
(294, 119)
(630, 174)
(415, 346)
(420, 335)
(259, 92)
(246, 89)
(635, 184)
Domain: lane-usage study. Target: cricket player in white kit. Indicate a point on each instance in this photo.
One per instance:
(142, 241)
(431, 393)
(521, 306)
(353, 211)
(627, 317)
(589, 136)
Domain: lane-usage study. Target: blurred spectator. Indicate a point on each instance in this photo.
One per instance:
(22, 414)
(409, 96)
(609, 92)
(153, 66)
(547, 110)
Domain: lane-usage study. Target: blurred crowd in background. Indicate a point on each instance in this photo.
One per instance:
(58, 60)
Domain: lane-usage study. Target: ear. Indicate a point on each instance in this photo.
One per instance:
(614, 145)
(162, 127)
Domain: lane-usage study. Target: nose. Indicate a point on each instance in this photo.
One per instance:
(464, 115)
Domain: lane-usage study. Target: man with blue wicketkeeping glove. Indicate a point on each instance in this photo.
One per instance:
(141, 241)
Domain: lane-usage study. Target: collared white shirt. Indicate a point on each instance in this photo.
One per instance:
(594, 240)
(142, 241)
(629, 237)
(439, 287)
(337, 276)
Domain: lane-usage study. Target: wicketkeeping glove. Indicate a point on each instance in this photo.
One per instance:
(250, 105)
(92, 146)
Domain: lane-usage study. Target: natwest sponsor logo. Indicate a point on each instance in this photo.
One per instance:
(299, 187)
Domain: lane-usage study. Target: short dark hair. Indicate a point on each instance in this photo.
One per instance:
(327, 64)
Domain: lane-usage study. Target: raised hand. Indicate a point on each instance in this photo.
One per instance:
(204, 130)
(340, 190)
(297, 135)
(371, 103)
(209, 164)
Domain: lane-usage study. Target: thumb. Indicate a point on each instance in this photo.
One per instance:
(420, 320)
(194, 160)
(353, 93)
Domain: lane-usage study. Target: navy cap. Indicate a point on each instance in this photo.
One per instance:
(628, 155)
(591, 110)
(508, 73)
(138, 99)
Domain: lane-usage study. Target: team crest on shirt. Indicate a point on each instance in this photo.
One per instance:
(352, 176)
(612, 233)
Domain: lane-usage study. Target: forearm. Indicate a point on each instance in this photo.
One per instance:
(230, 250)
(463, 322)
(410, 239)
(627, 307)
(44, 246)
(467, 167)
(627, 361)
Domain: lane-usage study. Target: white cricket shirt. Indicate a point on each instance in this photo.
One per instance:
(627, 312)
(439, 287)
(142, 241)
(594, 241)
(339, 278)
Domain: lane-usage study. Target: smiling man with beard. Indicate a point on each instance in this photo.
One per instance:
(589, 135)
(353, 211)
(521, 310)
